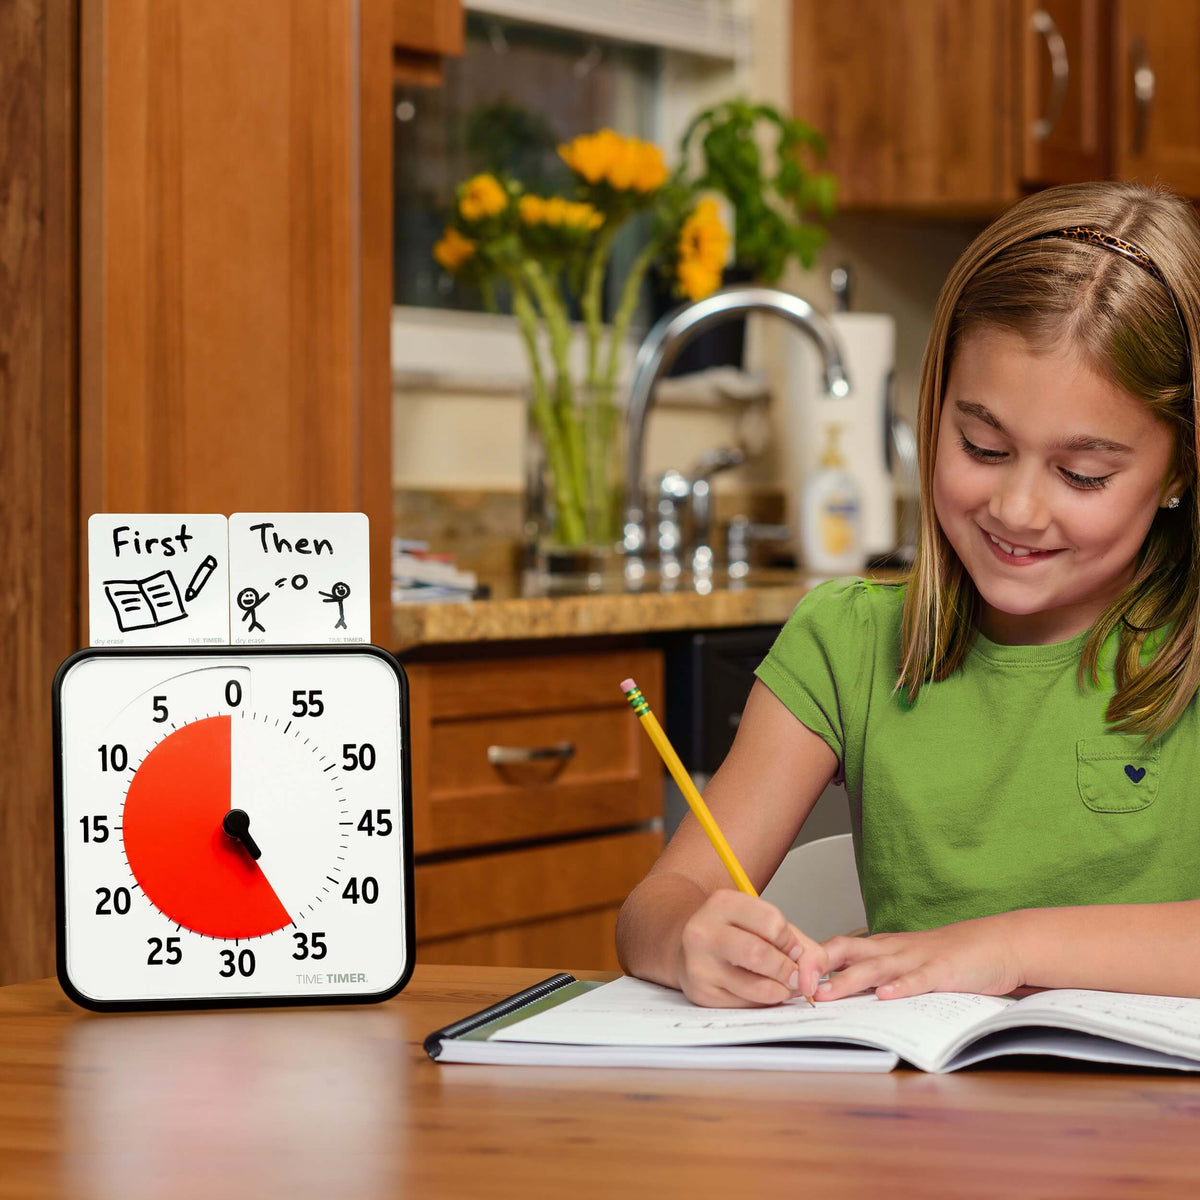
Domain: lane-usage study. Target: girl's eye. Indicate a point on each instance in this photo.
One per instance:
(978, 451)
(1083, 482)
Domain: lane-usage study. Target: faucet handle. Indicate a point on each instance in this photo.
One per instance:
(721, 459)
(674, 489)
(706, 467)
(743, 531)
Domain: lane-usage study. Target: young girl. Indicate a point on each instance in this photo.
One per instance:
(1015, 723)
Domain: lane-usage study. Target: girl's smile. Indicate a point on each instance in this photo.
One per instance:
(1018, 556)
(1047, 478)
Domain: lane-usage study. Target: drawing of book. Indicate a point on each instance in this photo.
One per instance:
(145, 603)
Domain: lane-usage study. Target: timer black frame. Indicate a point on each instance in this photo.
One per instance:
(404, 819)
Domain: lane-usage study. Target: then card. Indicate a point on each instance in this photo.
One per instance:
(299, 578)
(158, 579)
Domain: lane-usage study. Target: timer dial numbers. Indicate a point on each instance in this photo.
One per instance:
(213, 846)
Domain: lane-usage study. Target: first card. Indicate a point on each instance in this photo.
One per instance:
(158, 579)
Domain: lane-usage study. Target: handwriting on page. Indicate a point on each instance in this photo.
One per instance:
(629, 1012)
(1162, 1022)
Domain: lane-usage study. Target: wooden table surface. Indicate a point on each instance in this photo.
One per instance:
(342, 1102)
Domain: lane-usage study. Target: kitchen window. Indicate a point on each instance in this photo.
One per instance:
(515, 95)
(519, 90)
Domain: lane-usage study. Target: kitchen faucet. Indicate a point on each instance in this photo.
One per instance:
(658, 351)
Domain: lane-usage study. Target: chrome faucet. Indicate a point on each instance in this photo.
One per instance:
(658, 351)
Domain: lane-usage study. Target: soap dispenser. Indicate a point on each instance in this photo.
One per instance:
(831, 514)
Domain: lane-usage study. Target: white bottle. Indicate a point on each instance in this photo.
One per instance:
(831, 515)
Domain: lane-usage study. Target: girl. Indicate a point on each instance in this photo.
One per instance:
(1015, 723)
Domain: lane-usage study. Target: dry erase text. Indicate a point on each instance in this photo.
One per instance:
(281, 545)
(136, 544)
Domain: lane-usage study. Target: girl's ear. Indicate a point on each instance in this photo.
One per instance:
(1174, 488)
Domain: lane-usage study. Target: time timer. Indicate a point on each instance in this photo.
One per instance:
(233, 827)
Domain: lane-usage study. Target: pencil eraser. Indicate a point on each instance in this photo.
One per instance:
(627, 686)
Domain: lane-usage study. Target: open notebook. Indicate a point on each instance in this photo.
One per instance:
(629, 1022)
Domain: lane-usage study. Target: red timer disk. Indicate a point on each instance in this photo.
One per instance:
(200, 868)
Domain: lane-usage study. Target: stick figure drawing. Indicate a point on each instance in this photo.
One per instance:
(248, 600)
(337, 595)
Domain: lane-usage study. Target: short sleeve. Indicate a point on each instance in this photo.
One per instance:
(821, 661)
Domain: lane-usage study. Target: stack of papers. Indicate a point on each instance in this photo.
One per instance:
(421, 577)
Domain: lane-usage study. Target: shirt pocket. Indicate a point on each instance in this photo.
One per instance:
(1117, 773)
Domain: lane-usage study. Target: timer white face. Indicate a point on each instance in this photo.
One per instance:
(233, 827)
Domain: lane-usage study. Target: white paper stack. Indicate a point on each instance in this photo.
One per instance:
(420, 577)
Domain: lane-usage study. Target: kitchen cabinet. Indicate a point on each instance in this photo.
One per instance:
(1156, 50)
(424, 32)
(956, 107)
(537, 804)
(1064, 91)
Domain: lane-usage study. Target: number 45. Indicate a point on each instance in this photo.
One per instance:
(378, 823)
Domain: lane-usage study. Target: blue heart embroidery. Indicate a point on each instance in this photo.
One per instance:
(1135, 773)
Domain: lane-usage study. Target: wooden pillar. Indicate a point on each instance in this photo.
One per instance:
(39, 619)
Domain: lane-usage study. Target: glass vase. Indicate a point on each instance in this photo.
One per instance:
(575, 485)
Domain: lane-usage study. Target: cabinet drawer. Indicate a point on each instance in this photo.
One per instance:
(589, 765)
(496, 891)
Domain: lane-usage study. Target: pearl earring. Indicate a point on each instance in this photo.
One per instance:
(1173, 502)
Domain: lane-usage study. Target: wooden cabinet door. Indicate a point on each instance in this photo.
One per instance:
(1156, 54)
(916, 98)
(1064, 119)
(236, 261)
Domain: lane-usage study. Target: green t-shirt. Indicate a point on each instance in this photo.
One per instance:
(1000, 786)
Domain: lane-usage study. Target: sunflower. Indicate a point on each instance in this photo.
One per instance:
(481, 196)
(703, 246)
(452, 249)
(625, 164)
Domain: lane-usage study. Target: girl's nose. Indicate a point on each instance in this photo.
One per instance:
(1019, 501)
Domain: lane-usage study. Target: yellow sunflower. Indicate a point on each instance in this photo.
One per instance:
(703, 245)
(481, 196)
(452, 249)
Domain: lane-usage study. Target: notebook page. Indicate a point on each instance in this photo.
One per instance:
(1170, 1024)
(632, 1012)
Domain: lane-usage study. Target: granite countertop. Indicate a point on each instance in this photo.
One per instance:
(766, 598)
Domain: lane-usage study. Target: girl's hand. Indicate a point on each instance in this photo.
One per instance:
(738, 951)
(968, 956)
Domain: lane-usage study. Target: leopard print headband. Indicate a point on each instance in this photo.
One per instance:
(1135, 254)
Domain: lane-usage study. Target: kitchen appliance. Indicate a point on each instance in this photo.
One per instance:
(709, 674)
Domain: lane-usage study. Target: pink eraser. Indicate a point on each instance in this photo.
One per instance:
(627, 686)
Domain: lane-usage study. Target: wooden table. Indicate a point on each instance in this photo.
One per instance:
(342, 1102)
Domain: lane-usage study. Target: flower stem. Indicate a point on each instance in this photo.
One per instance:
(570, 515)
(575, 481)
(591, 300)
(604, 502)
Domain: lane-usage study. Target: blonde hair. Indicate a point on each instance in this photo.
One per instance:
(1126, 324)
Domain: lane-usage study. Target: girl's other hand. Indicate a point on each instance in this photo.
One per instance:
(968, 956)
(738, 951)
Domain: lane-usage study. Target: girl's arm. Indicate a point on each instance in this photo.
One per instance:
(684, 926)
(1148, 948)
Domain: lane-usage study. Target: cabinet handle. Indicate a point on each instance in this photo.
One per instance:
(509, 756)
(1042, 22)
(1143, 92)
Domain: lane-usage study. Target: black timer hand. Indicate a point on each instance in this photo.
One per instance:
(237, 825)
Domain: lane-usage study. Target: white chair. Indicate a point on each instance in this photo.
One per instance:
(816, 888)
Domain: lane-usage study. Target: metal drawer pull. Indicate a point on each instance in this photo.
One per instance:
(1143, 93)
(1060, 72)
(509, 756)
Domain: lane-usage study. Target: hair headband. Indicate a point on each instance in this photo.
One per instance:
(1135, 254)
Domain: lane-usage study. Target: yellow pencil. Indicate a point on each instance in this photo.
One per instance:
(690, 792)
